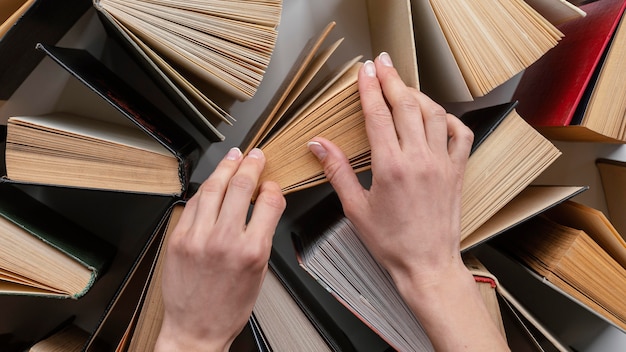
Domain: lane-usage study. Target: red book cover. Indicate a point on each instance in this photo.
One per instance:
(551, 88)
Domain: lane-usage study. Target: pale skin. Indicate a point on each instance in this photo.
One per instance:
(409, 219)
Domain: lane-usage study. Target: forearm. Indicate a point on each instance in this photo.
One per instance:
(452, 312)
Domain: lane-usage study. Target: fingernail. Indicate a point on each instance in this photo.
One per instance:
(385, 59)
(317, 149)
(233, 154)
(256, 153)
(370, 69)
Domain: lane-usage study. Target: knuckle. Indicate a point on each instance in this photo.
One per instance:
(467, 135)
(209, 186)
(407, 102)
(274, 199)
(243, 182)
(332, 169)
(254, 257)
(436, 111)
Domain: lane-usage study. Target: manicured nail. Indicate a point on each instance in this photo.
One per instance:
(317, 149)
(256, 153)
(370, 69)
(233, 154)
(385, 59)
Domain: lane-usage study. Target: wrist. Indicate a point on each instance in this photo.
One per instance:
(176, 339)
(429, 285)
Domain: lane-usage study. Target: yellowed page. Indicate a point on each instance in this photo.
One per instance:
(391, 30)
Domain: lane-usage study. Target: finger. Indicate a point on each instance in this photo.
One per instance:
(268, 208)
(241, 187)
(210, 195)
(379, 126)
(404, 103)
(460, 141)
(435, 124)
(337, 170)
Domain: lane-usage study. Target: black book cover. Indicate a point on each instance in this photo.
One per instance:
(52, 228)
(164, 82)
(483, 121)
(45, 21)
(146, 116)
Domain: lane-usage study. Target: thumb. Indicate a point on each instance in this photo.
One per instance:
(337, 170)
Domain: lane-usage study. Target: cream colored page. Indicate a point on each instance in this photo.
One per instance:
(556, 11)
(443, 79)
(94, 129)
(530, 201)
(391, 30)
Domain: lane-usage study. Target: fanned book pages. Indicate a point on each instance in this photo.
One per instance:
(468, 48)
(196, 47)
(575, 249)
(308, 105)
(584, 98)
(340, 262)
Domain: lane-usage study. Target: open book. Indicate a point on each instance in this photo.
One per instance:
(196, 49)
(42, 253)
(576, 249)
(328, 247)
(468, 48)
(584, 98)
(139, 149)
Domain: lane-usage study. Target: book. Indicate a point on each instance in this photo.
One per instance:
(199, 52)
(44, 253)
(583, 261)
(291, 317)
(466, 49)
(285, 326)
(139, 149)
(612, 176)
(315, 102)
(506, 156)
(579, 102)
(334, 112)
(487, 285)
(362, 285)
(115, 327)
(512, 317)
(533, 200)
(557, 11)
(22, 29)
(149, 313)
(69, 337)
(279, 319)
(340, 262)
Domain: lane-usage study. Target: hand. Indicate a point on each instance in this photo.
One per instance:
(410, 218)
(215, 263)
